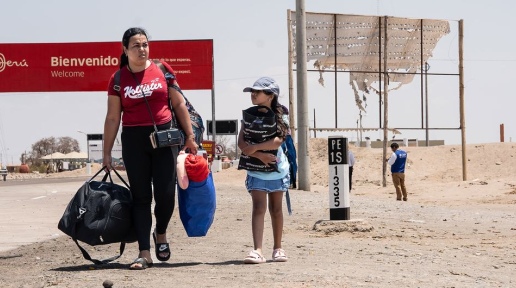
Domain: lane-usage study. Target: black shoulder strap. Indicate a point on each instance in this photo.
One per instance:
(165, 73)
(116, 87)
(168, 76)
(161, 66)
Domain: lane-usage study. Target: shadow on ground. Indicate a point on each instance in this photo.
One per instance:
(119, 266)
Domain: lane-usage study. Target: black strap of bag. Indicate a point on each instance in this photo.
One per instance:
(144, 98)
(173, 136)
(168, 76)
(85, 253)
(96, 261)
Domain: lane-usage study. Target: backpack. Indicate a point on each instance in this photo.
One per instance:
(100, 213)
(195, 118)
(259, 126)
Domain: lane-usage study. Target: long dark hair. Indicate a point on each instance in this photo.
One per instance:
(125, 41)
(282, 129)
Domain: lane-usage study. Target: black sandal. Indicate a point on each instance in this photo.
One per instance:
(161, 248)
(142, 261)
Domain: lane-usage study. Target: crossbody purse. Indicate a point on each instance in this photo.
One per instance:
(160, 138)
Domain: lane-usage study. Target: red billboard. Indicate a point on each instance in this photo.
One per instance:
(65, 67)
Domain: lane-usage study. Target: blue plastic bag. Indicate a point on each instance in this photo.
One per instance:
(290, 150)
(197, 206)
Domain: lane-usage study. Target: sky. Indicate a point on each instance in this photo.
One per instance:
(250, 41)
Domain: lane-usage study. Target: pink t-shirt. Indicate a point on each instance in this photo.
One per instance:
(153, 83)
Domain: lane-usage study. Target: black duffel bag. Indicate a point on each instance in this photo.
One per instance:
(100, 213)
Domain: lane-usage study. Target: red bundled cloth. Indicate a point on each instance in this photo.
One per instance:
(196, 168)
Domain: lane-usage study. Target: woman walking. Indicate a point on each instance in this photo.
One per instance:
(143, 87)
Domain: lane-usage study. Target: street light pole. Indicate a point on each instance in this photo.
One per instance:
(87, 148)
(88, 164)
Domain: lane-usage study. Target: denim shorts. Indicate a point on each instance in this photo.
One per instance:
(279, 185)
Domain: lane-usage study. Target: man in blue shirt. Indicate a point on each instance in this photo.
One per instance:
(351, 162)
(397, 162)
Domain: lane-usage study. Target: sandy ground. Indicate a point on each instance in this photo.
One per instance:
(449, 234)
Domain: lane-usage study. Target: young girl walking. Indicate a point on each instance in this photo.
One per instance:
(267, 183)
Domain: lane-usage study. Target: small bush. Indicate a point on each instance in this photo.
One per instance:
(42, 168)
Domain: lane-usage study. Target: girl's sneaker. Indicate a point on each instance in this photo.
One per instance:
(279, 255)
(254, 257)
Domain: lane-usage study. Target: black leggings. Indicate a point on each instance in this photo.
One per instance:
(145, 167)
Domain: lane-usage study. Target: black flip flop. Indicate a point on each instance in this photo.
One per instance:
(161, 248)
(142, 261)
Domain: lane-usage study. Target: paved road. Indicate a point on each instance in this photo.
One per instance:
(31, 209)
(38, 181)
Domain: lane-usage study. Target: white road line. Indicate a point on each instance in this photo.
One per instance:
(54, 192)
(38, 197)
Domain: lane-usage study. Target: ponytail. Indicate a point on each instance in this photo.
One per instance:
(124, 60)
(278, 110)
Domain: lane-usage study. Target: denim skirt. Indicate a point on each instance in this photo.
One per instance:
(279, 185)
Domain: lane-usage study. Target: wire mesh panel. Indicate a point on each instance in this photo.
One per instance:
(356, 44)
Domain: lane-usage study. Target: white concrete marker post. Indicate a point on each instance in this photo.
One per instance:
(338, 178)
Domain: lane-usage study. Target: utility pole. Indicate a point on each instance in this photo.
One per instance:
(461, 97)
(385, 102)
(302, 99)
(427, 135)
(291, 105)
